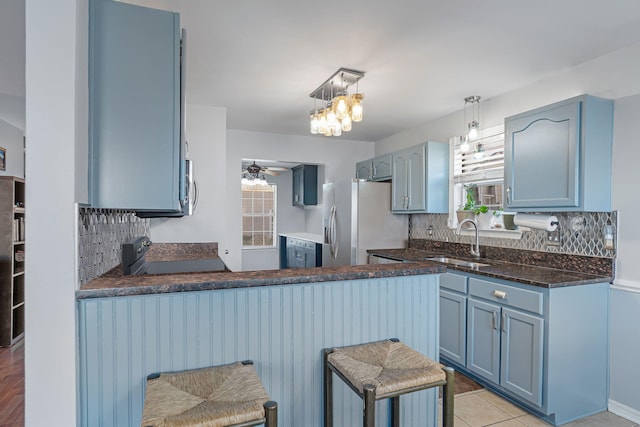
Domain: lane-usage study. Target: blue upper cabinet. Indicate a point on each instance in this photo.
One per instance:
(134, 107)
(558, 157)
(420, 179)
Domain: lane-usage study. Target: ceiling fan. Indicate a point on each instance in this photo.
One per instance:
(255, 169)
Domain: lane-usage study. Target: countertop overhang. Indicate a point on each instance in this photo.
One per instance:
(106, 286)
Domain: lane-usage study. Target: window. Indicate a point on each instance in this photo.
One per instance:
(484, 174)
(258, 216)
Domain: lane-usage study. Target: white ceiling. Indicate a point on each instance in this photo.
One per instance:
(261, 59)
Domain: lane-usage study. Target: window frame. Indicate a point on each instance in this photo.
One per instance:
(486, 176)
(273, 217)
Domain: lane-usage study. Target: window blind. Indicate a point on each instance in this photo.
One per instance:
(490, 167)
(258, 215)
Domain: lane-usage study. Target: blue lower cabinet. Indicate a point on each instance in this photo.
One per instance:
(521, 355)
(453, 326)
(533, 345)
(483, 340)
(299, 253)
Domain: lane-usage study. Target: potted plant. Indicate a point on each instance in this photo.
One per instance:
(467, 210)
(483, 217)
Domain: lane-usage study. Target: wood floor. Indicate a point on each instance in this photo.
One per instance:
(12, 385)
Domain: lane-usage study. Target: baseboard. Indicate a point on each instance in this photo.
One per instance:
(624, 411)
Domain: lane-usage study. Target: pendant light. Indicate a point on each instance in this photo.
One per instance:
(341, 109)
(474, 125)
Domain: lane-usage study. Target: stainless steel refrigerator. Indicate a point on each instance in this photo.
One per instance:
(356, 217)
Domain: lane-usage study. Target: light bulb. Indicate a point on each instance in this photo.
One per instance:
(346, 123)
(322, 124)
(341, 106)
(356, 107)
(337, 129)
(479, 153)
(473, 130)
(314, 123)
(331, 118)
(464, 145)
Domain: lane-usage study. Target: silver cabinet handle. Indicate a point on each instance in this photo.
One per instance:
(504, 322)
(499, 294)
(494, 323)
(508, 195)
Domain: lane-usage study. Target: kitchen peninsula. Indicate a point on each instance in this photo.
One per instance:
(130, 327)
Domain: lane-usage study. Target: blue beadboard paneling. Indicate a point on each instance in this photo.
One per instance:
(283, 329)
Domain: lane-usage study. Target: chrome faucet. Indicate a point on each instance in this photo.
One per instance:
(475, 251)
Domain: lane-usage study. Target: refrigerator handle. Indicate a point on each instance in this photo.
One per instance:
(333, 233)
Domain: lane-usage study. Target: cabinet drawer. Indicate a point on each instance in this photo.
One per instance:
(309, 245)
(508, 295)
(454, 282)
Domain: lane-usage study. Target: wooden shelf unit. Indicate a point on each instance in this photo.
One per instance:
(12, 265)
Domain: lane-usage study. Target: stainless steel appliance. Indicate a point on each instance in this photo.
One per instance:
(356, 217)
(134, 261)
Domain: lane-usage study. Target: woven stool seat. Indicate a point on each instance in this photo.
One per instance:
(387, 365)
(218, 396)
(385, 369)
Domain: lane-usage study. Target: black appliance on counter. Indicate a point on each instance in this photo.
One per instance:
(135, 263)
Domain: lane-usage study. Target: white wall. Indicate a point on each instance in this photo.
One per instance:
(11, 139)
(612, 76)
(206, 135)
(338, 155)
(625, 295)
(52, 94)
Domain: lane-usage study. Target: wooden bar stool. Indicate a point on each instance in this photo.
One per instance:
(381, 370)
(226, 395)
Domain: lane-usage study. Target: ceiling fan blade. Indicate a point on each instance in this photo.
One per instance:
(277, 168)
(270, 172)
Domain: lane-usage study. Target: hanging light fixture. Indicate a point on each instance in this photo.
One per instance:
(253, 179)
(474, 125)
(340, 109)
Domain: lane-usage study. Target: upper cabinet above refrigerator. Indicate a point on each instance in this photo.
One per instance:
(420, 179)
(136, 147)
(558, 157)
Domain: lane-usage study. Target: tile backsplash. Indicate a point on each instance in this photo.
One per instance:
(581, 233)
(101, 233)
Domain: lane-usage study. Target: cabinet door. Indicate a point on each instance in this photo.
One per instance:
(363, 170)
(542, 158)
(483, 339)
(521, 355)
(291, 252)
(298, 187)
(134, 109)
(416, 179)
(310, 254)
(381, 168)
(399, 182)
(453, 326)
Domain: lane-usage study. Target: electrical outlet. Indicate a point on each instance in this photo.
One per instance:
(554, 238)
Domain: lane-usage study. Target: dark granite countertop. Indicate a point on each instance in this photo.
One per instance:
(117, 285)
(517, 272)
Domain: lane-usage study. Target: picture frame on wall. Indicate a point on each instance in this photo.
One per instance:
(3, 159)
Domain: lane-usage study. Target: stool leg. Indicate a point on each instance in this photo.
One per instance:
(369, 402)
(328, 390)
(447, 398)
(395, 411)
(271, 414)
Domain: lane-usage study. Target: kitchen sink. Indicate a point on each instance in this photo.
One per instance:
(459, 262)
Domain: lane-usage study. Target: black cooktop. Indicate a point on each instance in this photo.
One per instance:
(134, 262)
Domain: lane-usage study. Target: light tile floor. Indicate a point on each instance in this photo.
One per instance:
(482, 408)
